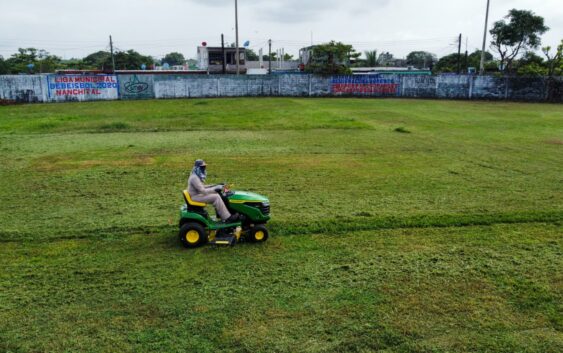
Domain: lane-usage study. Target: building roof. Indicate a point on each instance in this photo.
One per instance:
(221, 48)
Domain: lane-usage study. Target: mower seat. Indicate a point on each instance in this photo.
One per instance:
(191, 202)
(194, 206)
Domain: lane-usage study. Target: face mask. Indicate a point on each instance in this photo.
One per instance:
(200, 172)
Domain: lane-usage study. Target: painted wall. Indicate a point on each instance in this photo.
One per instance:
(64, 88)
(60, 88)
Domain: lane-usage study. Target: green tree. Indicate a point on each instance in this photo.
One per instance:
(421, 59)
(42, 61)
(287, 57)
(531, 69)
(273, 56)
(174, 58)
(98, 60)
(251, 55)
(522, 32)
(47, 62)
(4, 68)
(554, 61)
(331, 58)
(371, 58)
(531, 64)
(474, 59)
(129, 60)
(448, 63)
(18, 62)
(530, 57)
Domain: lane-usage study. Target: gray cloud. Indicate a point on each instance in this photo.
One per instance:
(71, 28)
(299, 11)
(295, 11)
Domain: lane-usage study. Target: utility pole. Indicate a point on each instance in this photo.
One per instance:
(459, 55)
(466, 59)
(270, 56)
(112, 57)
(261, 58)
(466, 62)
(236, 29)
(482, 66)
(224, 54)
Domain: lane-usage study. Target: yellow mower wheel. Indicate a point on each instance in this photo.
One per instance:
(258, 233)
(192, 235)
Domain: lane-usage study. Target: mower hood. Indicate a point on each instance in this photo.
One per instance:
(246, 196)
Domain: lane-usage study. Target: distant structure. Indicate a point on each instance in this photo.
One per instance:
(307, 57)
(387, 59)
(277, 66)
(390, 70)
(172, 68)
(211, 59)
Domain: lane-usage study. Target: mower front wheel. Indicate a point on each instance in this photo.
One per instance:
(257, 234)
(192, 235)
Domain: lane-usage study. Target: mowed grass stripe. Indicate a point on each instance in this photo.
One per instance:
(340, 226)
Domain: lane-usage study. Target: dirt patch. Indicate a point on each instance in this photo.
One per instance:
(59, 163)
(554, 142)
(8, 102)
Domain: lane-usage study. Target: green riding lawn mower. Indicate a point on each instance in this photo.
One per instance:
(197, 227)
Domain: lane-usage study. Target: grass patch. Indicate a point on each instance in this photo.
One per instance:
(446, 241)
(282, 114)
(117, 126)
(451, 289)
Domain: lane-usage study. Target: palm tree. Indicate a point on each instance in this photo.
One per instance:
(371, 58)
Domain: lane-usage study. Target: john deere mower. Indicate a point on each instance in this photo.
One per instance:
(197, 227)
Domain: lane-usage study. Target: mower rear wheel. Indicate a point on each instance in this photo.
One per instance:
(192, 235)
(258, 233)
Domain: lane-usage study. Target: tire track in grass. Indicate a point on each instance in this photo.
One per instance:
(334, 226)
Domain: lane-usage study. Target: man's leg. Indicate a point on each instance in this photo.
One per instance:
(221, 208)
(217, 202)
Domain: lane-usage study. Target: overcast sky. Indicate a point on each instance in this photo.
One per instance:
(73, 28)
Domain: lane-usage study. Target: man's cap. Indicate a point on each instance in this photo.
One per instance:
(200, 163)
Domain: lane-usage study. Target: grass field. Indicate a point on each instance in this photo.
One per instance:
(398, 226)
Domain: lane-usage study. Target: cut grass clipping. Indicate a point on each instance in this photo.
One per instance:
(446, 241)
(402, 130)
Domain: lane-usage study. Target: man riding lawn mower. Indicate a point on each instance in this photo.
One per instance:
(243, 214)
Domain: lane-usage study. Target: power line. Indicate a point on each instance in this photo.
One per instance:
(183, 44)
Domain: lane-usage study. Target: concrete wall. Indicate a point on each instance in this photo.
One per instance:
(276, 65)
(23, 88)
(59, 88)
